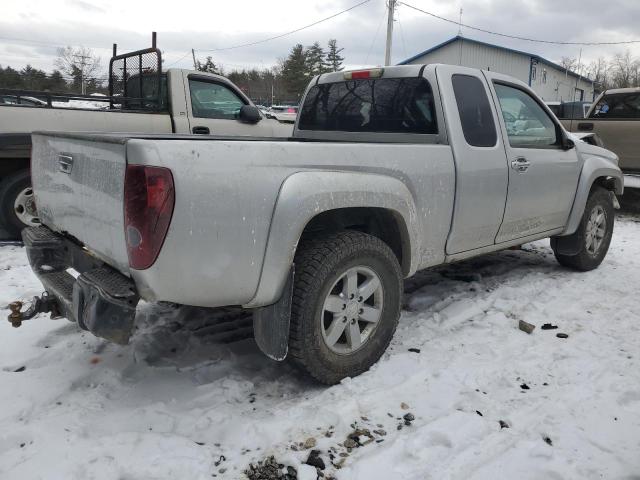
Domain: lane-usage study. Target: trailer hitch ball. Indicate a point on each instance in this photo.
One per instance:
(15, 317)
(43, 304)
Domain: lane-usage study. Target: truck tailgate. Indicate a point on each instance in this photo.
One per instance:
(79, 190)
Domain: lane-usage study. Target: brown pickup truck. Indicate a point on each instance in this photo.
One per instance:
(615, 118)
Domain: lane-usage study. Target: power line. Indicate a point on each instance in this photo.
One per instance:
(180, 59)
(384, 14)
(554, 42)
(284, 34)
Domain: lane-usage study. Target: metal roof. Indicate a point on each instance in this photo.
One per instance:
(499, 47)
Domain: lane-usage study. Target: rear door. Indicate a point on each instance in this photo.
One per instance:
(543, 176)
(481, 164)
(214, 106)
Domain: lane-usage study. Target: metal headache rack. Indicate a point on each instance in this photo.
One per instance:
(135, 79)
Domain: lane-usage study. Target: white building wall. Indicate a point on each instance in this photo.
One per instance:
(558, 85)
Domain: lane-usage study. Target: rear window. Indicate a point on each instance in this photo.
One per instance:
(475, 112)
(385, 105)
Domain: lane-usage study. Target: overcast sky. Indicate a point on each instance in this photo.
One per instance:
(30, 31)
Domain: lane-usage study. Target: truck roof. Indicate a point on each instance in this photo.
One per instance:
(611, 91)
(398, 71)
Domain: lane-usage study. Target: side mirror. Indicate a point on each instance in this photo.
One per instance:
(567, 143)
(249, 114)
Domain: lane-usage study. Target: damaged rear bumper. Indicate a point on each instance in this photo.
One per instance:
(100, 299)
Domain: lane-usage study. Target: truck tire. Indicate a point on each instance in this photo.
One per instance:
(17, 203)
(346, 304)
(593, 235)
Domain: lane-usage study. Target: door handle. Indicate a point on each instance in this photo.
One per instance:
(520, 164)
(585, 127)
(199, 130)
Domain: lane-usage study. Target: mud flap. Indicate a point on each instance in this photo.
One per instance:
(569, 245)
(271, 324)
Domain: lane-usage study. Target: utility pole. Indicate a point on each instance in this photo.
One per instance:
(83, 63)
(193, 54)
(391, 5)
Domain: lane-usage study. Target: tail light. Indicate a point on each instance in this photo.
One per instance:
(149, 197)
(291, 110)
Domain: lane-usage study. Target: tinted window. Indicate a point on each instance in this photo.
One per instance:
(475, 112)
(391, 105)
(528, 125)
(214, 100)
(618, 105)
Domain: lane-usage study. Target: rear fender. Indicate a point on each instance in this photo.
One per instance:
(304, 195)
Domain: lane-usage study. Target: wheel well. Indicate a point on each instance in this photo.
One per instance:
(608, 183)
(385, 224)
(9, 166)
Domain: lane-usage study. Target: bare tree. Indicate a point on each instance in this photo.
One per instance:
(569, 63)
(598, 71)
(78, 63)
(625, 71)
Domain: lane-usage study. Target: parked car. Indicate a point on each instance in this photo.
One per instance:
(283, 113)
(190, 102)
(20, 100)
(389, 171)
(615, 118)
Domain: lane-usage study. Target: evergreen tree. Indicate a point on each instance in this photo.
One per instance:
(294, 71)
(334, 59)
(315, 60)
(33, 79)
(208, 66)
(55, 82)
(10, 78)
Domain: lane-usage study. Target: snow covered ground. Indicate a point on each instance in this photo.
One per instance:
(177, 404)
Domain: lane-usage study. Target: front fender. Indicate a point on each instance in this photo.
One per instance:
(303, 196)
(594, 167)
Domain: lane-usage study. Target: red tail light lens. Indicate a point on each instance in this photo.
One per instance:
(149, 197)
(291, 110)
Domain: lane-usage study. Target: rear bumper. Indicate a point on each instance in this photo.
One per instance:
(100, 299)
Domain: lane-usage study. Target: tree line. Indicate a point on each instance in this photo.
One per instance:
(78, 70)
(620, 71)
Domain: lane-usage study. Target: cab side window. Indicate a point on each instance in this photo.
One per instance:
(528, 124)
(475, 112)
(214, 100)
(618, 105)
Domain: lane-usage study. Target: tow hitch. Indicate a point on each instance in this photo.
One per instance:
(43, 304)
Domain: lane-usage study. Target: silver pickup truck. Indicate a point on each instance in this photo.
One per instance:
(389, 171)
